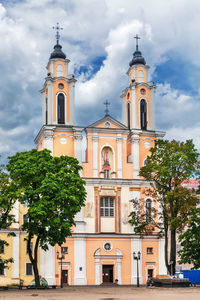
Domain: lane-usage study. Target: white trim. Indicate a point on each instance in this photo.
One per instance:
(80, 261)
(95, 138)
(135, 155)
(15, 256)
(161, 255)
(119, 155)
(136, 245)
(47, 264)
(152, 108)
(134, 108)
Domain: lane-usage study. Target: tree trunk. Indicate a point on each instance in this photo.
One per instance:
(166, 251)
(173, 252)
(34, 259)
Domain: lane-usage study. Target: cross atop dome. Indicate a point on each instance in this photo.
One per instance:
(57, 28)
(138, 59)
(137, 38)
(57, 53)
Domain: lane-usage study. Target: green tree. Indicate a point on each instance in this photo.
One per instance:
(190, 241)
(167, 167)
(53, 191)
(8, 194)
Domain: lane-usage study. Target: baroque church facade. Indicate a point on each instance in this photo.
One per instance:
(103, 242)
(103, 245)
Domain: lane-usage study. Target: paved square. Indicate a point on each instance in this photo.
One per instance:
(105, 293)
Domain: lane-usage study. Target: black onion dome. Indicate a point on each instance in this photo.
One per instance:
(57, 53)
(137, 59)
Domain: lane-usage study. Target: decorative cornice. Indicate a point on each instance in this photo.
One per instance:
(117, 182)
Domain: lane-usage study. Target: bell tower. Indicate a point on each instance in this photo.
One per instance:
(59, 133)
(58, 90)
(138, 107)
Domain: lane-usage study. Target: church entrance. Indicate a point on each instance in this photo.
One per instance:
(107, 273)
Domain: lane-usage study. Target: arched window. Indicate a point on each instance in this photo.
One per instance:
(61, 109)
(149, 211)
(140, 76)
(128, 115)
(143, 114)
(59, 70)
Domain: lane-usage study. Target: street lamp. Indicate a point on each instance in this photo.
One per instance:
(61, 257)
(137, 257)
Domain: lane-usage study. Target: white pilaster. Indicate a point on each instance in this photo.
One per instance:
(43, 109)
(80, 223)
(80, 261)
(47, 265)
(162, 267)
(48, 140)
(119, 156)
(15, 256)
(123, 110)
(16, 214)
(97, 271)
(152, 108)
(135, 156)
(97, 267)
(71, 103)
(134, 108)
(119, 267)
(95, 155)
(136, 246)
(50, 102)
(78, 146)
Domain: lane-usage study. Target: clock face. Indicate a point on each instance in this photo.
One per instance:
(61, 86)
(142, 91)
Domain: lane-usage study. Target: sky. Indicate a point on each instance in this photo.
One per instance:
(98, 38)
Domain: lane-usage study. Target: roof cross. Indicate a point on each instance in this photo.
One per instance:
(137, 38)
(106, 103)
(57, 28)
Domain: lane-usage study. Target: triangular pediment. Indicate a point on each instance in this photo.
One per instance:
(108, 122)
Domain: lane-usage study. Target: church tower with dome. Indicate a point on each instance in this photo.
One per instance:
(102, 246)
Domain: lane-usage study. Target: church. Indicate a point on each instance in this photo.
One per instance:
(103, 247)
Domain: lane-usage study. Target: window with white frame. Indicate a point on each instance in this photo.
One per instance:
(107, 207)
(29, 269)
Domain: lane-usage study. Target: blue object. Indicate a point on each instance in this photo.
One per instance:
(192, 275)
